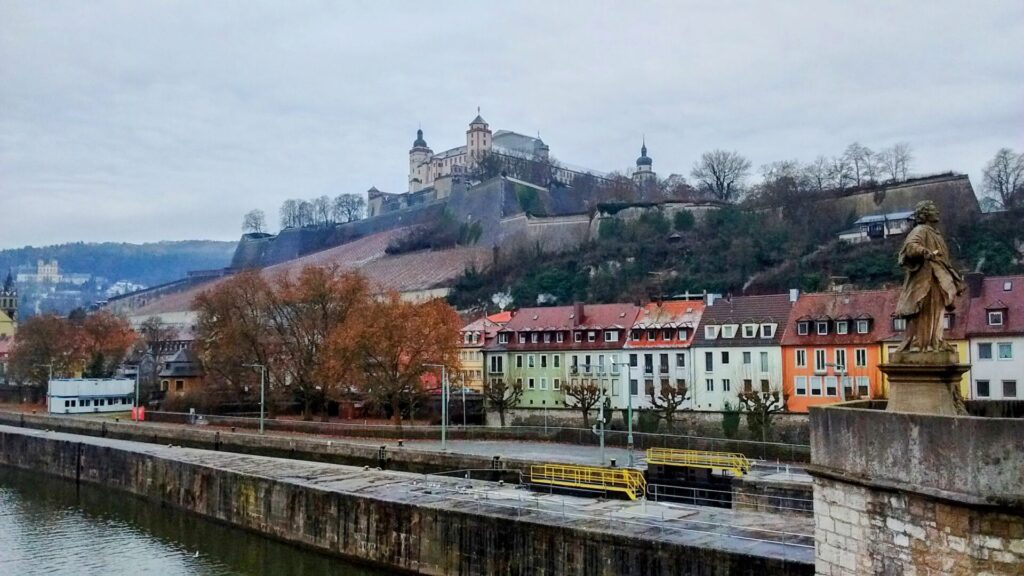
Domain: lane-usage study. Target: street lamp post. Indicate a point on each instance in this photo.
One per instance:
(444, 406)
(263, 383)
(629, 409)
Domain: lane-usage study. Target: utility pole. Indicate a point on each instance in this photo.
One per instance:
(629, 409)
(444, 406)
(263, 383)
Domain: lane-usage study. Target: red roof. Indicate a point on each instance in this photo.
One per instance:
(501, 317)
(874, 305)
(668, 314)
(1005, 293)
(594, 316)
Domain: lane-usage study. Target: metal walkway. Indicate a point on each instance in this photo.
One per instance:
(626, 480)
(737, 464)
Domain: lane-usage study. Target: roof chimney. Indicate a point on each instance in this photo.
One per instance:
(577, 311)
(975, 282)
(794, 295)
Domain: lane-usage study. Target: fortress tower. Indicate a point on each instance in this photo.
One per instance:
(419, 163)
(8, 307)
(644, 171)
(478, 140)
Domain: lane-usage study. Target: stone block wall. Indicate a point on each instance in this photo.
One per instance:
(860, 530)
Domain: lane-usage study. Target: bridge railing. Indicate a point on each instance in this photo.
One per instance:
(626, 480)
(736, 463)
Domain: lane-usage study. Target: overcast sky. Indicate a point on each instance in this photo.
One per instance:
(142, 121)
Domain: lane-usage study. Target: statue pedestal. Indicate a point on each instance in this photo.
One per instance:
(925, 382)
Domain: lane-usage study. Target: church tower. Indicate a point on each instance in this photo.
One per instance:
(478, 140)
(8, 307)
(644, 171)
(419, 163)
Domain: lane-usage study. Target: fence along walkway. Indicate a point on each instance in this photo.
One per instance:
(737, 464)
(626, 480)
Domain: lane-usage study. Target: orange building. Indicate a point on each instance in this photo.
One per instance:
(833, 346)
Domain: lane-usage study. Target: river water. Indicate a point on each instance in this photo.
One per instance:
(47, 526)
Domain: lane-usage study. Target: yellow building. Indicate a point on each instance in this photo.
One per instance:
(473, 337)
(8, 308)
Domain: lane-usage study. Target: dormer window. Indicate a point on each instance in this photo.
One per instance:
(559, 337)
(577, 336)
(666, 334)
(750, 330)
(899, 324)
(821, 327)
(683, 335)
(634, 335)
(842, 327)
(729, 331)
(503, 338)
(533, 337)
(652, 335)
(947, 321)
(522, 337)
(547, 337)
(611, 335)
(862, 326)
(995, 317)
(591, 336)
(803, 328)
(768, 330)
(711, 332)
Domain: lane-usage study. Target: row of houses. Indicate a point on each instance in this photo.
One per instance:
(816, 348)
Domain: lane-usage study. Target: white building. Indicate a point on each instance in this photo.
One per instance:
(658, 352)
(995, 331)
(87, 395)
(738, 347)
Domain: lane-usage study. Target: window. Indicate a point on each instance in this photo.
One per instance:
(711, 332)
(860, 357)
(842, 327)
(764, 361)
(556, 384)
(748, 385)
(750, 330)
(821, 328)
(556, 360)
(982, 388)
(577, 336)
(819, 360)
(710, 383)
(522, 338)
(995, 318)
(729, 331)
(725, 357)
(652, 335)
(611, 335)
(666, 334)
(648, 363)
(815, 385)
(649, 386)
(559, 337)
(709, 361)
(547, 337)
(841, 359)
(591, 336)
(803, 328)
(543, 383)
(543, 360)
(1009, 388)
(600, 363)
(767, 330)
(533, 337)
(683, 334)
(586, 363)
(634, 334)
(726, 384)
(496, 364)
(862, 326)
(899, 324)
(663, 364)
(863, 386)
(519, 360)
(947, 321)
(800, 385)
(746, 357)
(680, 360)
(831, 386)
(801, 358)
(765, 386)
(985, 351)
(530, 384)
(1005, 351)
(503, 338)
(632, 360)
(633, 387)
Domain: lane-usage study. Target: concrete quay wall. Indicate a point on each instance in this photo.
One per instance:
(373, 516)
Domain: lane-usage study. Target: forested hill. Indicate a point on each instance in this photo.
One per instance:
(148, 264)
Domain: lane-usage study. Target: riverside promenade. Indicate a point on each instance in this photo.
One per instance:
(425, 524)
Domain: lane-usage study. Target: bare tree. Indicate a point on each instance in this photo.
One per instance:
(290, 213)
(721, 174)
(861, 161)
(761, 407)
(321, 211)
(305, 213)
(668, 400)
(502, 396)
(348, 207)
(895, 161)
(777, 170)
(254, 221)
(1003, 179)
(816, 174)
(839, 174)
(585, 396)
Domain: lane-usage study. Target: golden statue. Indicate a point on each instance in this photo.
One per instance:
(931, 285)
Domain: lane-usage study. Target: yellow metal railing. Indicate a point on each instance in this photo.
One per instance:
(626, 480)
(738, 464)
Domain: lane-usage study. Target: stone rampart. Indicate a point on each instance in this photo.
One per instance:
(390, 519)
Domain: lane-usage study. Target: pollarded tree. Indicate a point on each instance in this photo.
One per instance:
(668, 400)
(761, 407)
(502, 396)
(721, 174)
(1004, 179)
(585, 396)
